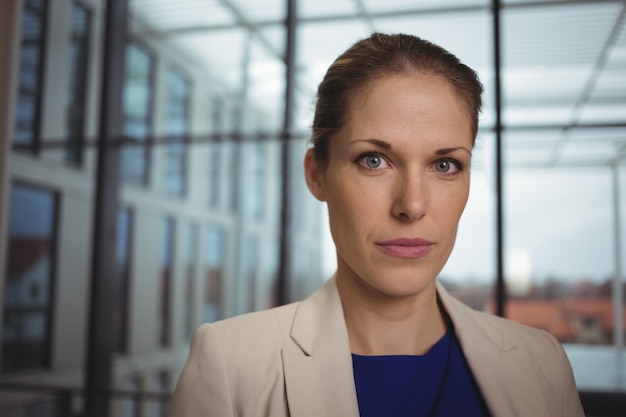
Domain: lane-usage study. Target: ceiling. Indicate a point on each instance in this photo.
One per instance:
(563, 63)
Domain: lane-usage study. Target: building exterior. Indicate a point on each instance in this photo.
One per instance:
(198, 223)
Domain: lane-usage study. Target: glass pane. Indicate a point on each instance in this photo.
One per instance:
(189, 258)
(166, 280)
(214, 259)
(28, 287)
(250, 255)
(214, 152)
(253, 178)
(30, 75)
(561, 200)
(564, 180)
(137, 118)
(177, 127)
(123, 253)
(79, 49)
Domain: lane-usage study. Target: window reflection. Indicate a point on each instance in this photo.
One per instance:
(137, 113)
(230, 158)
(28, 287)
(251, 276)
(34, 15)
(79, 48)
(214, 159)
(190, 253)
(178, 120)
(214, 261)
(254, 158)
(124, 235)
(167, 273)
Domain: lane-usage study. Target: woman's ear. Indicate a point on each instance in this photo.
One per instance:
(314, 176)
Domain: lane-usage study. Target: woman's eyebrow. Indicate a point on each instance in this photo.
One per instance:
(377, 142)
(386, 145)
(446, 151)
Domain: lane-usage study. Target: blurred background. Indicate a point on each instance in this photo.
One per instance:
(151, 180)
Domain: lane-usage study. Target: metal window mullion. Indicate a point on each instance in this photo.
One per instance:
(500, 295)
(98, 374)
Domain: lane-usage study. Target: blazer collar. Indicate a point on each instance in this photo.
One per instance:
(319, 322)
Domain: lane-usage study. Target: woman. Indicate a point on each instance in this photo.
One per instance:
(393, 133)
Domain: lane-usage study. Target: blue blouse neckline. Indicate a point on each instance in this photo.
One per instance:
(437, 383)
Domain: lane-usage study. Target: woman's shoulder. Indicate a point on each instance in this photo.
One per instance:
(251, 329)
(231, 363)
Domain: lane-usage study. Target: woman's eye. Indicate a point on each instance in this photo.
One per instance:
(372, 161)
(447, 166)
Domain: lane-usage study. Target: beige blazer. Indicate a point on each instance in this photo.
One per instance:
(295, 360)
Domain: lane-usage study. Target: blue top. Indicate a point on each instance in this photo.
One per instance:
(438, 383)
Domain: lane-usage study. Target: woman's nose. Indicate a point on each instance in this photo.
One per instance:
(411, 198)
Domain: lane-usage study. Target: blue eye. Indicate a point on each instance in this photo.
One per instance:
(447, 166)
(373, 161)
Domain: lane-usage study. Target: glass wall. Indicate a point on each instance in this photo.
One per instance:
(564, 180)
(565, 186)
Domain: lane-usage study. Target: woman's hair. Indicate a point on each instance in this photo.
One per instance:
(375, 57)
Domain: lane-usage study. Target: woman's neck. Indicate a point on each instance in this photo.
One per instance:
(380, 325)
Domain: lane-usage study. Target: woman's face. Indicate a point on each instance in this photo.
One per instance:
(396, 183)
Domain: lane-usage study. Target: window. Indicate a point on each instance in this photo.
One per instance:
(178, 121)
(137, 114)
(254, 155)
(213, 273)
(167, 273)
(230, 150)
(131, 405)
(28, 110)
(164, 382)
(79, 48)
(29, 281)
(214, 160)
(190, 255)
(561, 251)
(123, 256)
(251, 272)
(564, 171)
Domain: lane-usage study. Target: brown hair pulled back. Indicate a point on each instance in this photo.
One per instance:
(377, 56)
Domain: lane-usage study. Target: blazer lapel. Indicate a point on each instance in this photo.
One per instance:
(319, 377)
(504, 372)
(318, 368)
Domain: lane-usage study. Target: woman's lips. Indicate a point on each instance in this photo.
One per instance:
(406, 248)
